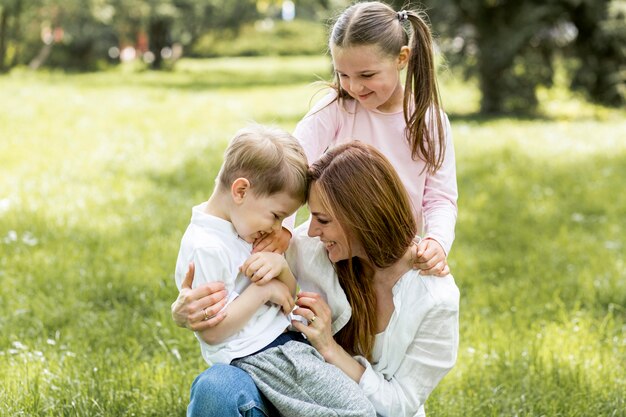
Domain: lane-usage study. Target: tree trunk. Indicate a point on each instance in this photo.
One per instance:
(158, 34)
(17, 12)
(4, 17)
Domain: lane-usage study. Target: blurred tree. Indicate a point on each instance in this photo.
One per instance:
(601, 48)
(10, 31)
(511, 46)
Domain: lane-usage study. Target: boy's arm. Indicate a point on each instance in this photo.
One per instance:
(262, 267)
(287, 278)
(243, 308)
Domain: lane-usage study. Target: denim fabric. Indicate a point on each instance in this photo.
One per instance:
(226, 391)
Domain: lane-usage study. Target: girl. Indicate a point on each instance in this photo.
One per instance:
(370, 46)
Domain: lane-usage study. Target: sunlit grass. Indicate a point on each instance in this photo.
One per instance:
(98, 173)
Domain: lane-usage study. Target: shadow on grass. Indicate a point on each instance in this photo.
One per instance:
(189, 81)
(479, 118)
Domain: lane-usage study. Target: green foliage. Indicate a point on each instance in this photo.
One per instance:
(298, 37)
(511, 46)
(96, 194)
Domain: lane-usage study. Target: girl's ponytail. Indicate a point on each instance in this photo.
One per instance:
(422, 103)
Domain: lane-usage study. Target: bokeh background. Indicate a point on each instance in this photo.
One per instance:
(113, 119)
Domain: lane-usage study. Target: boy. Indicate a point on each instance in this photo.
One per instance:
(262, 181)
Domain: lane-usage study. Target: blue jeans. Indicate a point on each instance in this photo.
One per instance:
(227, 391)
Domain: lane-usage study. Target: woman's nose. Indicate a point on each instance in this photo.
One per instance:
(313, 231)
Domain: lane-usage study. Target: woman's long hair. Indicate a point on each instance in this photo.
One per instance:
(376, 23)
(361, 190)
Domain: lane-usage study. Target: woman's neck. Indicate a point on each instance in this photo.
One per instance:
(387, 277)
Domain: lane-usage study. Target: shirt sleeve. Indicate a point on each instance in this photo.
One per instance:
(212, 265)
(440, 197)
(318, 128)
(429, 358)
(316, 132)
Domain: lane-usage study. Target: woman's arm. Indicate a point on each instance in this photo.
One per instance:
(316, 311)
(420, 366)
(199, 308)
(427, 360)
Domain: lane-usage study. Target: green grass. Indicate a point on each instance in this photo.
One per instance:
(98, 173)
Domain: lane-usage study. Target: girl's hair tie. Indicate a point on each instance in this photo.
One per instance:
(402, 15)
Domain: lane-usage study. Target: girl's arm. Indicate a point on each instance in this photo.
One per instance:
(440, 198)
(316, 132)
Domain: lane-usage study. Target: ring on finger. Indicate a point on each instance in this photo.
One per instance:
(313, 319)
(206, 316)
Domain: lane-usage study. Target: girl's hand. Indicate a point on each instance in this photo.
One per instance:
(278, 293)
(261, 267)
(273, 242)
(316, 311)
(430, 258)
(199, 309)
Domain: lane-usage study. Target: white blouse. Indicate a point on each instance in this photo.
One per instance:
(420, 343)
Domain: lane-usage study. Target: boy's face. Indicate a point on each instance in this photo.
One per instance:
(256, 216)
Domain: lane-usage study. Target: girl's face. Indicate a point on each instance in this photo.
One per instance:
(330, 232)
(371, 77)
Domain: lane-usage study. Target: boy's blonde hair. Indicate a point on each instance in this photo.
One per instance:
(270, 158)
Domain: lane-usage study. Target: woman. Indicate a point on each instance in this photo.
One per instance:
(391, 330)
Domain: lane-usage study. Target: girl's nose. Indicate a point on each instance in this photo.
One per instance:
(355, 86)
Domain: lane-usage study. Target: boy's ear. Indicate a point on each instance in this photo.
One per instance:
(238, 189)
(403, 57)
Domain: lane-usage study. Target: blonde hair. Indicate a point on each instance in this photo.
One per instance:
(271, 159)
(376, 23)
(359, 187)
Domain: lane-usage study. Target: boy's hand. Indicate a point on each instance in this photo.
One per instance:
(273, 242)
(430, 258)
(279, 294)
(263, 266)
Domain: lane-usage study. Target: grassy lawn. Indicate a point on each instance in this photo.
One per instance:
(98, 173)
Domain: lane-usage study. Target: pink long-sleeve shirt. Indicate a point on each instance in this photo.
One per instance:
(434, 197)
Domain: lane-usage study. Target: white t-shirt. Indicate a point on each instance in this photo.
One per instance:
(419, 345)
(218, 252)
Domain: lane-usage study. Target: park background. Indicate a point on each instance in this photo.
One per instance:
(113, 119)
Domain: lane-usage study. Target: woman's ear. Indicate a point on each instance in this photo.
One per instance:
(238, 190)
(403, 57)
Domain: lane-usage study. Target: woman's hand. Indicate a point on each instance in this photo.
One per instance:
(316, 311)
(273, 242)
(263, 266)
(429, 257)
(199, 309)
